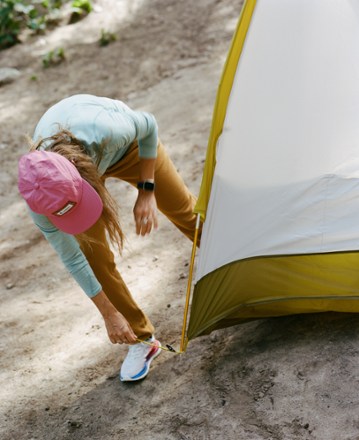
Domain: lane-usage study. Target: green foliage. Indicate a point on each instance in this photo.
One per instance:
(53, 57)
(107, 37)
(82, 6)
(10, 23)
(16, 15)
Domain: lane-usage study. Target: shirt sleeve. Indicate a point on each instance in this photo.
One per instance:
(146, 133)
(119, 125)
(69, 251)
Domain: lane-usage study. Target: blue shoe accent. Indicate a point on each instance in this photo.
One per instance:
(142, 373)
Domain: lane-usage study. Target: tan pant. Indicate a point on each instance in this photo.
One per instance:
(173, 199)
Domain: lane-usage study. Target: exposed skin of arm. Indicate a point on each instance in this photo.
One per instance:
(145, 209)
(118, 329)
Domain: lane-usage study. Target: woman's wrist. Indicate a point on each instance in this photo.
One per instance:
(104, 305)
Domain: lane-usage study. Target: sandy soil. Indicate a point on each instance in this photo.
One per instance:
(277, 379)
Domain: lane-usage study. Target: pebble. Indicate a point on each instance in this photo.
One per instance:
(8, 75)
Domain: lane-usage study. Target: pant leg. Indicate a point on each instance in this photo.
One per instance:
(102, 262)
(173, 198)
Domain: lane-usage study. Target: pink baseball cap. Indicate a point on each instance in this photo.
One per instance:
(51, 185)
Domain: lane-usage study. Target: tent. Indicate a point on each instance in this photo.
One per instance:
(280, 189)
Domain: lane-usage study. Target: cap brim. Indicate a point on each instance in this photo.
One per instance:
(84, 215)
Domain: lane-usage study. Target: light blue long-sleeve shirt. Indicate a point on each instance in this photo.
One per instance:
(96, 122)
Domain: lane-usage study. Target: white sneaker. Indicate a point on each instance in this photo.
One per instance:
(138, 360)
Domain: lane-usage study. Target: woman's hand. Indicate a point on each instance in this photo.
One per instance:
(145, 212)
(119, 330)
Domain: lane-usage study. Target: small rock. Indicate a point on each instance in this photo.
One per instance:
(8, 75)
(9, 286)
(300, 375)
(214, 337)
(74, 424)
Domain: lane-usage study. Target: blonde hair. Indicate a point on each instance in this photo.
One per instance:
(66, 144)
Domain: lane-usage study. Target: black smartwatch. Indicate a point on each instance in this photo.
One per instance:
(147, 185)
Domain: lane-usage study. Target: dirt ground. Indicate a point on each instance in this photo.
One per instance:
(274, 379)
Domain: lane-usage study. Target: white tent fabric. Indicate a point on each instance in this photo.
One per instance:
(287, 175)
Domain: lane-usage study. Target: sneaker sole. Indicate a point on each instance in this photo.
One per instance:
(143, 373)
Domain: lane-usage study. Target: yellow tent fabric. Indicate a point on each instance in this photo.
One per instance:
(281, 181)
(266, 287)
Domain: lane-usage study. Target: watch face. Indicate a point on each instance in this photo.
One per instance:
(147, 186)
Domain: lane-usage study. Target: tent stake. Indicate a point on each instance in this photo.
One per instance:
(184, 339)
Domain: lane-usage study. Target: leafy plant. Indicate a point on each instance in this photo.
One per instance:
(16, 15)
(53, 57)
(107, 37)
(82, 6)
(10, 23)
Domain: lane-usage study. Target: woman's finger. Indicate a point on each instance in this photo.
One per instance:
(146, 226)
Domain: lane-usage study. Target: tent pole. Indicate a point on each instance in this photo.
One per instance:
(184, 339)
